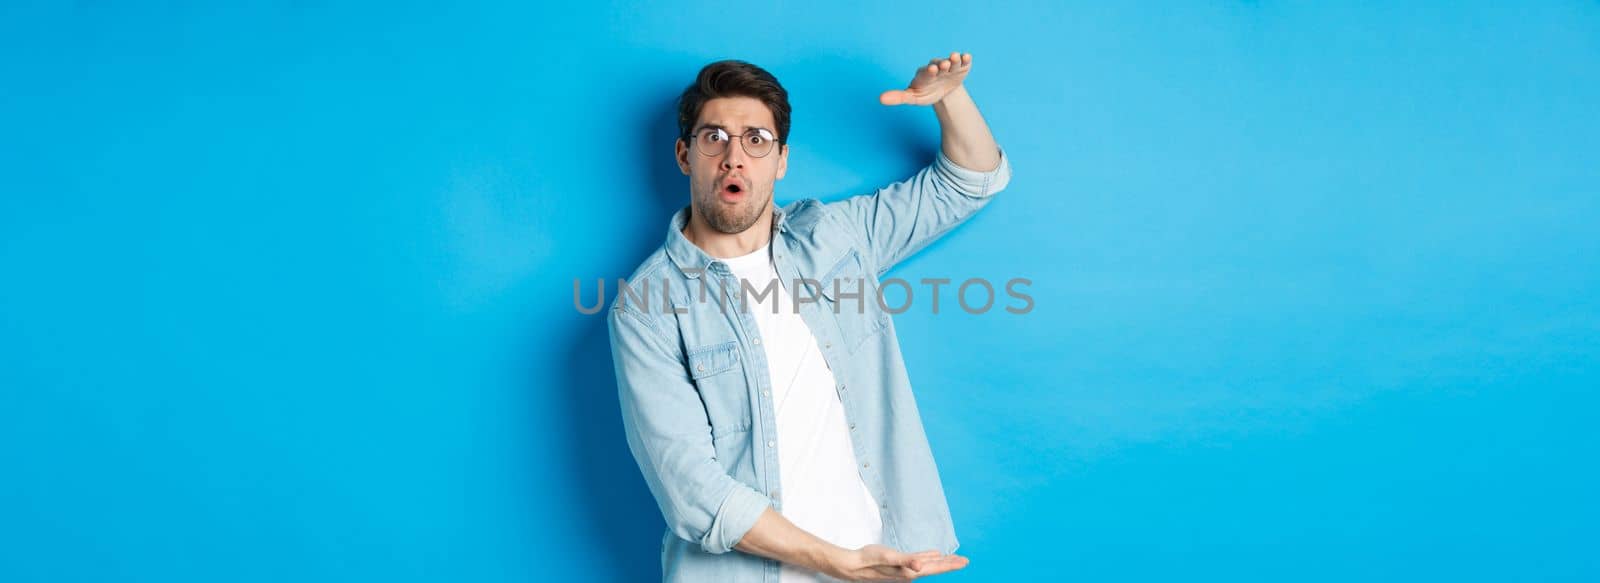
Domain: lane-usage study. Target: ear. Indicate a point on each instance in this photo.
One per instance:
(680, 151)
(783, 161)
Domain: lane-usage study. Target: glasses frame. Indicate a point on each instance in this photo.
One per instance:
(743, 143)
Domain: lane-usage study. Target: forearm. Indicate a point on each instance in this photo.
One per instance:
(775, 537)
(964, 136)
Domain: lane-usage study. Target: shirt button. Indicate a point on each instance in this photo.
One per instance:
(827, 345)
(769, 443)
(701, 368)
(756, 342)
(852, 426)
(766, 393)
(866, 464)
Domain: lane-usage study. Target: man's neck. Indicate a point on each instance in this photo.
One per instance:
(724, 245)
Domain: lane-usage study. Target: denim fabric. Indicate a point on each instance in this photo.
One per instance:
(693, 385)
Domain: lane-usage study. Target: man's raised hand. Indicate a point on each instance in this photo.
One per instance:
(933, 82)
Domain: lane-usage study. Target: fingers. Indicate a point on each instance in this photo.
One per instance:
(957, 61)
(916, 560)
(899, 560)
(943, 564)
(920, 562)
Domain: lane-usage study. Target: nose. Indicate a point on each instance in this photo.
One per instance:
(735, 156)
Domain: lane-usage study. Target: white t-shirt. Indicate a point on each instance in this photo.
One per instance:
(821, 490)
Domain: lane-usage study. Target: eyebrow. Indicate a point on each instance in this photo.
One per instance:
(721, 127)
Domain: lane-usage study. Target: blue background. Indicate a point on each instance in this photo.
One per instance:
(288, 287)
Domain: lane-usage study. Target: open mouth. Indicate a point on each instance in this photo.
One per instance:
(732, 192)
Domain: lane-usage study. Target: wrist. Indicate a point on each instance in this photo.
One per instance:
(833, 560)
(959, 92)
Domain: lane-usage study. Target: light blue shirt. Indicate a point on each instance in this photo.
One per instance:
(692, 376)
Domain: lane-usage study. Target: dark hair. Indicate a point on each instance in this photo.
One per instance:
(733, 78)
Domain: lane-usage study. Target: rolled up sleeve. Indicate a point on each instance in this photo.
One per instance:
(669, 436)
(900, 219)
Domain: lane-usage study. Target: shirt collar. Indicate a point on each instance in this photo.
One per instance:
(693, 260)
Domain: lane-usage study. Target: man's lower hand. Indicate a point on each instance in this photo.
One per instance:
(881, 563)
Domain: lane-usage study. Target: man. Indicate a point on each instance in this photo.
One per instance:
(762, 388)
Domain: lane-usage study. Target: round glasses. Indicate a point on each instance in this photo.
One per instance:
(758, 142)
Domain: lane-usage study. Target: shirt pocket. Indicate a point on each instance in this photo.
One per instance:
(718, 373)
(858, 318)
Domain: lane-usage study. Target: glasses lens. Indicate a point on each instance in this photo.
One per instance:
(758, 143)
(713, 141)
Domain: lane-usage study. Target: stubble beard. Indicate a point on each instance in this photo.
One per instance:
(730, 220)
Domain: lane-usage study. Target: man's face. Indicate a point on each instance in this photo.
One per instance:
(710, 177)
